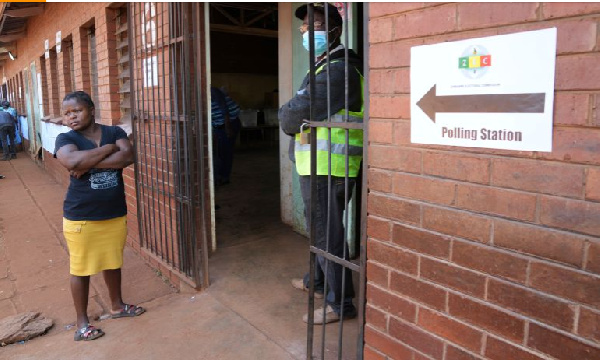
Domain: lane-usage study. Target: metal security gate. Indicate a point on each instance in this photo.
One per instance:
(168, 98)
(328, 341)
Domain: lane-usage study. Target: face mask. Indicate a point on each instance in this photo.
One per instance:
(320, 42)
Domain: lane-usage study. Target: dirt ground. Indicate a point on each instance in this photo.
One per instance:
(250, 311)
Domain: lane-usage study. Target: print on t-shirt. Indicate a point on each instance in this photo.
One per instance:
(104, 180)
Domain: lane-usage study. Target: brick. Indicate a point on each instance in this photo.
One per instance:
(392, 304)
(424, 189)
(489, 260)
(429, 21)
(378, 228)
(595, 117)
(592, 184)
(383, 9)
(417, 338)
(574, 145)
(386, 345)
(421, 241)
(381, 30)
(390, 107)
(393, 209)
(486, 317)
(569, 214)
(592, 263)
(418, 290)
(513, 204)
(377, 275)
(536, 176)
(577, 72)
(401, 81)
(457, 223)
(566, 283)
(450, 276)
(372, 354)
(451, 330)
(395, 158)
(485, 15)
(576, 36)
(499, 350)
(381, 82)
(389, 55)
(558, 345)
(453, 353)
(531, 303)
(589, 324)
(558, 10)
(376, 319)
(379, 180)
(542, 242)
(381, 132)
(401, 132)
(393, 257)
(457, 167)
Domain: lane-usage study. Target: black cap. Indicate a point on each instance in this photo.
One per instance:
(334, 14)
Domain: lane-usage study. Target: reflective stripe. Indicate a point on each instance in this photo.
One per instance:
(342, 118)
(335, 148)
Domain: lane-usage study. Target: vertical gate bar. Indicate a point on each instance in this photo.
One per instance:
(313, 184)
(184, 123)
(326, 285)
(152, 100)
(175, 122)
(187, 136)
(135, 129)
(202, 260)
(167, 140)
(160, 135)
(143, 125)
(146, 101)
(346, 172)
(363, 219)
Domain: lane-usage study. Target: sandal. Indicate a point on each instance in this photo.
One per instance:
(88, 333)
(129, 310)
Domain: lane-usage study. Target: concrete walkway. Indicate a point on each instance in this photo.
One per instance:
(34, 276)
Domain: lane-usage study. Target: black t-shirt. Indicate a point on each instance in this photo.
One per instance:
(99, 194)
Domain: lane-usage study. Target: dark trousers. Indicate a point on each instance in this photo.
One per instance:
(324, 269)
(225, 146)
(8, 130)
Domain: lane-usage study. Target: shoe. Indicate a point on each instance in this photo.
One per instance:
(299, 284)
(330, 316)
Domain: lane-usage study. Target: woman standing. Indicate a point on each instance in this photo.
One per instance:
(95, 221)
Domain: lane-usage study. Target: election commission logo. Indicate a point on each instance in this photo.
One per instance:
(475, 61)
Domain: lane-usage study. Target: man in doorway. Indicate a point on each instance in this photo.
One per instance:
(226, 126)
(330, 76)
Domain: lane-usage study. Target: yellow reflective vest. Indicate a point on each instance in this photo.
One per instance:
(338, 144)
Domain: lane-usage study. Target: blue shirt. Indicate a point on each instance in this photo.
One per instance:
(99, 194)
(11, 111)
(222, 104)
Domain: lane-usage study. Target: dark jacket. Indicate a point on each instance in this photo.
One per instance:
(6, 119)
(297, 109)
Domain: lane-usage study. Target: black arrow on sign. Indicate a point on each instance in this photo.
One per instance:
(432, 104)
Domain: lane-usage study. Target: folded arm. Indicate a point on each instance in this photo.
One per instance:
(76, 161)
(122, 158)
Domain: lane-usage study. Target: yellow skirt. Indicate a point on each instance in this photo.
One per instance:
(95, 246)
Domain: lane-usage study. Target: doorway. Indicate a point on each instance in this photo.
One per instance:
(255, 254)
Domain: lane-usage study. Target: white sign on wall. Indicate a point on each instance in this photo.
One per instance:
(58, 41)
(46, 49)
(493, 92)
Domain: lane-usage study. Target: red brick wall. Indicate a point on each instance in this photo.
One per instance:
(476, 253)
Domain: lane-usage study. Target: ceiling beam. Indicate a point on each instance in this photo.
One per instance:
(258, 17)
(12, 37)
(244, 31)
(25, 12)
